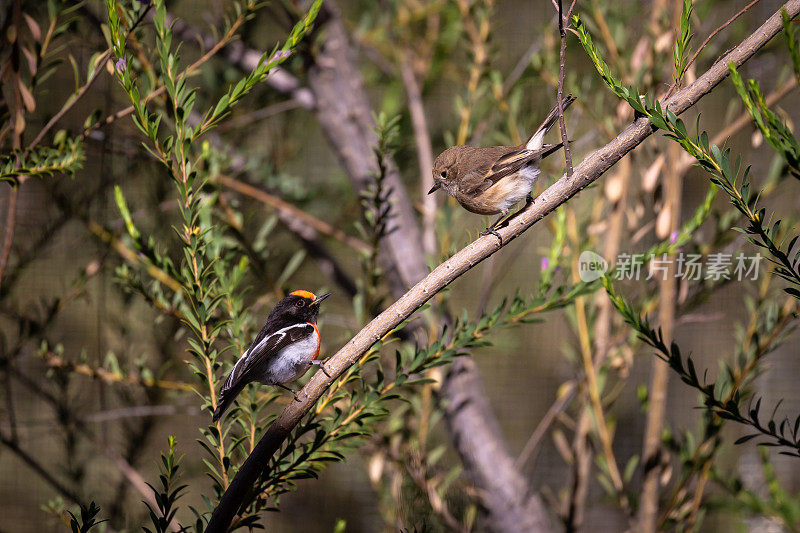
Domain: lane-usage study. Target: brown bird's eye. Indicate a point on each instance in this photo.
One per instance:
(300, 303)
(444, 173)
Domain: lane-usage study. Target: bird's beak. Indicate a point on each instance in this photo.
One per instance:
(318, 299)
(435, 187)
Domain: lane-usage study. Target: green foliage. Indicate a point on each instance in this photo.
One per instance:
(775, 132)
(206, 280)
(167, 493)
(791, 42)
(377, 213)
(65, 157)
(201, 278)
(719, 397)
(629, 94)
(759, 231)
(87, 519)
(779, 503)
(682, 43)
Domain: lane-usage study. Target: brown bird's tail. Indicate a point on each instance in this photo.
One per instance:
(548, 149)
(226, 398)
(537, 139)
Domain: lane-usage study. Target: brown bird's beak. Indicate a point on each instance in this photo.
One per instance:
(318, 299)
(435, 187)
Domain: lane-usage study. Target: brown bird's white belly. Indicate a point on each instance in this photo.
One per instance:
(292, 362)
(507, 192)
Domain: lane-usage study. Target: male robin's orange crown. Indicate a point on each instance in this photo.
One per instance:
(304, 294)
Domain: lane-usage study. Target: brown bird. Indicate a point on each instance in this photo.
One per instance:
(491, 180)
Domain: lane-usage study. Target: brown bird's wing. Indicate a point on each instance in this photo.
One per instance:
(485, 176)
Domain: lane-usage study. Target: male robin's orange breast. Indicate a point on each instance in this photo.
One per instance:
(319, 342)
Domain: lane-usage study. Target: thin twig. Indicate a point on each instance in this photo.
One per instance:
(580, 474)
(714, 33)
(530, 450)
(260, 114)
(54, 361)
(562, 18)
(34, 465)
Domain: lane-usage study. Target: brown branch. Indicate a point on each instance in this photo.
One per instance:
(424, 151)
(588, 171)
(506, 498)
(343, 112)
(344, 115)
(582, 459)
(54, 361)
(657, 392)
(287, 208)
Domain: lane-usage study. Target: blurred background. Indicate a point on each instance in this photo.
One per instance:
(81, 346)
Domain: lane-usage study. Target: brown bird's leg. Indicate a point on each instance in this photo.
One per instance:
(321, 364)
(505, 219)
(294, 392)
(492, 230)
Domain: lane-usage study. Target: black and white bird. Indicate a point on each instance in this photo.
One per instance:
(285, 348)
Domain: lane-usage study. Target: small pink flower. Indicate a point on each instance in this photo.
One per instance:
(673, 237)
(545, 263)
(280, 55)
(121, 64)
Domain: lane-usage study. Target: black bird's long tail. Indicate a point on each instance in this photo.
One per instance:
(226, 398)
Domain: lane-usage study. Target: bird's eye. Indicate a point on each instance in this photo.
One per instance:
(444, 173)
(300, 303)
